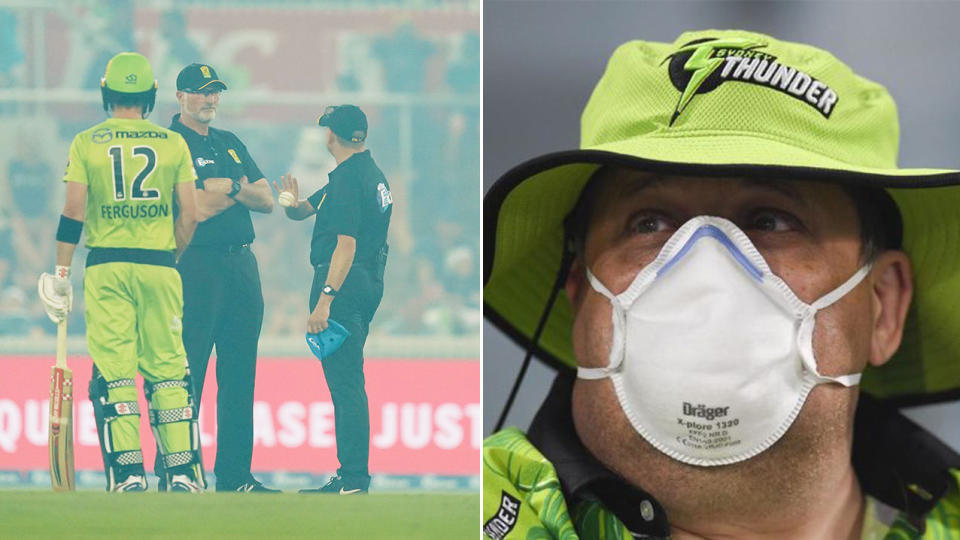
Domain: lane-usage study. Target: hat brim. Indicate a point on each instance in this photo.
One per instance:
(525, 208)
(207, 86)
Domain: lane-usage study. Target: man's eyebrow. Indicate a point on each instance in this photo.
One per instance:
(647, 181)
(784, 188)
(636, 184)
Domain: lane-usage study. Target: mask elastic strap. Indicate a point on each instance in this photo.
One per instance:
(600, 287)
(849, 380)
(843, 289)
(828, 299)
(565, 261)
(593, 373)
(604, 372)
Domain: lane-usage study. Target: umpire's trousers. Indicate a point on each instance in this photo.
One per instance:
(223, 306)
(353, 307)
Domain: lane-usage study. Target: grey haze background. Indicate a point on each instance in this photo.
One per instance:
(542, 59)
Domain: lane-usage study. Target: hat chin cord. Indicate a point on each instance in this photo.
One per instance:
(565, 262)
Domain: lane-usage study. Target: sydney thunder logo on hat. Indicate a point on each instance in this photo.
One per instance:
(702, 65)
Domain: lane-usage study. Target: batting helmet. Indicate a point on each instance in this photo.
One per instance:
(128, 81)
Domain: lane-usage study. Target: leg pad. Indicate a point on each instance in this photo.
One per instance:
(189, 458)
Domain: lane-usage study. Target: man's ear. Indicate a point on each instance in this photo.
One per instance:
(892, 279)
(576, 277)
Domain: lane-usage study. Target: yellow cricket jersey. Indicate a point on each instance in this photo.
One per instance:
(130, 168)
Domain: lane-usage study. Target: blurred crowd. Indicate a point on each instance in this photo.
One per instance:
(433, 274)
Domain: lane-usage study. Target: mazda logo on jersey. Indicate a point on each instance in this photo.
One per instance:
(703, 65)
(102, 135)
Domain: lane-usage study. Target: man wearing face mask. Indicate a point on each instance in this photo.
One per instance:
(750, 288)
(223, 303)
(349, 254)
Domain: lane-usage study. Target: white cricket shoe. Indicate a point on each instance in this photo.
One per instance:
(132, 483)
(185, 484)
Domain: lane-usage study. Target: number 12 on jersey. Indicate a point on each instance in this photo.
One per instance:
(136, 191)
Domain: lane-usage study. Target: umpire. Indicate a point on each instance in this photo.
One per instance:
(349, 253)
(222, 300)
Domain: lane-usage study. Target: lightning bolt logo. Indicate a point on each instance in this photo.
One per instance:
(702, 65)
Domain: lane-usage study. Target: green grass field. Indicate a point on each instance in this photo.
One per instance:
(43, 514)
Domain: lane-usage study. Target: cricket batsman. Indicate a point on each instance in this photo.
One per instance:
(122, 178)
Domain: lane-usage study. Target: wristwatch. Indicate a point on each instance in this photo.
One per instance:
(234, 189)
(328, 290)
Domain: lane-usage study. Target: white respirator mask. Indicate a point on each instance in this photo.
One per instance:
(712, 354)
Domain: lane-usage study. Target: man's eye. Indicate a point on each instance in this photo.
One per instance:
(647, 224)
(772, 221)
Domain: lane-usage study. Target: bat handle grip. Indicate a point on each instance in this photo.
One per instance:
(62, 343)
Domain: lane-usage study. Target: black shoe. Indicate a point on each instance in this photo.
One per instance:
(250, 485)
(336, 486)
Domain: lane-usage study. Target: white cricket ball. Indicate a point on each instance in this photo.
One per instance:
(286, 199)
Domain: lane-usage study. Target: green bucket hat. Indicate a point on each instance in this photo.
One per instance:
(724, 103)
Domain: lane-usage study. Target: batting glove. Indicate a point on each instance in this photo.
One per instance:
(56, 293)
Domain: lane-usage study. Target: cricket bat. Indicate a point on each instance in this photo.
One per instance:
(61, 417)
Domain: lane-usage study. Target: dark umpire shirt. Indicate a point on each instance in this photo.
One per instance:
(220, 154)
(355, 202)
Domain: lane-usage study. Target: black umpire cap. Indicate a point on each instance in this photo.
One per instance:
(347, 121)
(199, 78)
